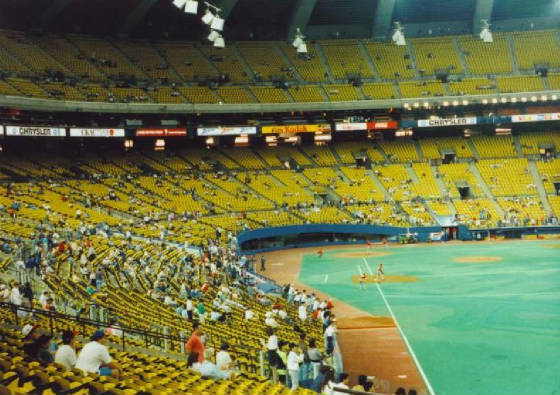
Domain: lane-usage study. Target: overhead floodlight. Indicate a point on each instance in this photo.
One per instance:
(299, 39)
(213, 36)
(302, 48)
(217, 23)
(179, 3)
(485, 33)
(398, 35)
(208, 17)
(191, 7)
(219, 42)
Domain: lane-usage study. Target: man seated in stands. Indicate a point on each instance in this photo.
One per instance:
(66, 355)
(95, 358)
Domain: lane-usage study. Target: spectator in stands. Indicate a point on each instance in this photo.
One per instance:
(39, 350)
(302, 312)
(400, 391)
(224, 361)
(95, 358)
(328, 381)
(315, 357)
(66, 355)
(342, 383)
(272, 348)
(412, 391)
(295, 358)
(194, 344)
(209, 369)
(282, 354)
(363, 384)
(330, 339)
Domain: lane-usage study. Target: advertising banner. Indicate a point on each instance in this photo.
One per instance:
(291, 129)
(554, 116)
(161, 132)
(350, 126)
(226, 130)
(432, 123)
(96, 132)
(382, 125)
(35, 131)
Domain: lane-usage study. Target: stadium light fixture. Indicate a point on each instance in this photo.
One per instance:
(544, 98)
(486, 34)
(504, 100)
(191, 7)
(465, 102)
(554, 97)
(299, 42)
(514, 99)
(220, 42)
(494, 100)
(213, 36)
(217, 23)
(208, 17)
(484, 101)
(445, 103)
(398, 35)
(524, 99)
(533, 98)
(179, 3)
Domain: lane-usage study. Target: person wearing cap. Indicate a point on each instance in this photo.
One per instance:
(66, 355)
(95, 358)
(30, 334)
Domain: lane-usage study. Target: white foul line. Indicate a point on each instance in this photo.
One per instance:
(410, 350)
(326, 278)
(367, 265)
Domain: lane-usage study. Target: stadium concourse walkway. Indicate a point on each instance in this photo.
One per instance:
(370, 344)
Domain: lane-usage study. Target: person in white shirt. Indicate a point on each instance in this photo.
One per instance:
(302, 312)
(295, 357)
(66, 355)
(223, 359)
(249, 315)
(270, 321)
(343, 383)
(272, 348)
(95, 358)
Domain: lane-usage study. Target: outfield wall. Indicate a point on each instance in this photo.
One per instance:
(294, 236)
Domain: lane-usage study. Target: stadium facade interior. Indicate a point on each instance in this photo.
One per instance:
(122, 121)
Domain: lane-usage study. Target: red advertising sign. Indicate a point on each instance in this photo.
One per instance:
(382, 125)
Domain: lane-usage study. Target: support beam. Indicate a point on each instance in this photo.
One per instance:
(226, 6)
(383, 19)
(300, 17)
(54, 10)
(137, 15)
(482, 10)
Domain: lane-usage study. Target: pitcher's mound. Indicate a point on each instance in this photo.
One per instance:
(362, 254)
(389, 278)
(477, 259)
(365, 321)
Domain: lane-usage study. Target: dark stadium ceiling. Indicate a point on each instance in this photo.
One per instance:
(265, 19)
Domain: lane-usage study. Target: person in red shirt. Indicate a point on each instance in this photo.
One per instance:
(330, 304)
(194, 344)
(320, 253)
